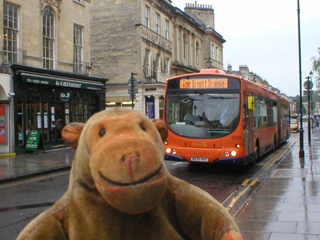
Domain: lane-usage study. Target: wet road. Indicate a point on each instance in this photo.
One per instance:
(23, 200)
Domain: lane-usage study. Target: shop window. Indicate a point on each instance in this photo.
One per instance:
(161, 104)
(77, 108)
(45, 120)
(85, 111)
(21, 125)
(33, 110)
(93, 105)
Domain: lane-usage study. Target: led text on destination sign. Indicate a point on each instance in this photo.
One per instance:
(204, 83)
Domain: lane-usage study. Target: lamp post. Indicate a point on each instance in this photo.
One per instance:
(309, 85)
(301, 152)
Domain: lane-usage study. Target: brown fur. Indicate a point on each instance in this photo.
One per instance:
(120, 188)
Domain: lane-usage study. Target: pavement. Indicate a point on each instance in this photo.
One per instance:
(285, 206)
(16, 167)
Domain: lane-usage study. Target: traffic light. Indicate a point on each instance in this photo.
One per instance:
(132, 82)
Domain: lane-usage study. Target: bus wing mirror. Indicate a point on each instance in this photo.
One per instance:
(251, 102)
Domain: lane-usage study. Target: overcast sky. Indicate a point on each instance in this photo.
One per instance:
(264, 36)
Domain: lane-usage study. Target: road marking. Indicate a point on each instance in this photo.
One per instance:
(245, 182)
(177, 163)
(254, 182)
(236, 198)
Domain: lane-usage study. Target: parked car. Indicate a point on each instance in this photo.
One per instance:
(294, 125)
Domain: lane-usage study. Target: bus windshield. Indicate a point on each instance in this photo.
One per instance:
(202, 114)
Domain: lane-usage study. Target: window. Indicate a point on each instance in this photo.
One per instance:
(78, 49)
(147, 16)
(158, 67)
(10, 33)
(167, 29)
(158, 25)
(212, 51)
(197, 53)
(77, 111)
(167, 66)
(185, 46)
(147, 63)
(48, 38)
(217, 54)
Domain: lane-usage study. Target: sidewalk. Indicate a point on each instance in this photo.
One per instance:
(287, 206)
(15, 167)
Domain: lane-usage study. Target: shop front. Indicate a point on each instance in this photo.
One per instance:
(47, 100)
(149, 98)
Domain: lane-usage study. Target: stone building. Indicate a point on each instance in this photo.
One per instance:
(154, 40)
(44, 71)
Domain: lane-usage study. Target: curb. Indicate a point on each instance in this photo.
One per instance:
(7, 154)
(35, 174)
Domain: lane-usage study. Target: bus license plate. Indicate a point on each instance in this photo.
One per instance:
(199, 159)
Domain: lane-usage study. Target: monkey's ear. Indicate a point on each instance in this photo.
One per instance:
(162, 128)
(71, 133)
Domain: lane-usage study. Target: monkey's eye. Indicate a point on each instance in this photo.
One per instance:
(142, 127)
(102, 132)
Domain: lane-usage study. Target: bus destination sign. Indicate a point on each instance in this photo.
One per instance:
(204, 83)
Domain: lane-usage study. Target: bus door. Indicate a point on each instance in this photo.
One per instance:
(248, 124)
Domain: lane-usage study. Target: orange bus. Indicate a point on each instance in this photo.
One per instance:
(214, 117)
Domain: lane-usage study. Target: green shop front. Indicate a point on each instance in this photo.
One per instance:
(47, 100)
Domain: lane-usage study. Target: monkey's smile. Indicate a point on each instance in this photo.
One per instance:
(132, 183)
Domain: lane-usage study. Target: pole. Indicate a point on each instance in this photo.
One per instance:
(309, 129)
(301, 152)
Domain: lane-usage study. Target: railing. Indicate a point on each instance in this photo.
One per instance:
(81, 68)
(19, 57)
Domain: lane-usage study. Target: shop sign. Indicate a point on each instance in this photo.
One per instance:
(34, 141)
(151, 89)
(60, 83)
(65, 95)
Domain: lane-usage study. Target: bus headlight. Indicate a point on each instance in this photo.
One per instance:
(237, 145)
(168, 150)
(227, 153)
(174, 151)
(233, 153)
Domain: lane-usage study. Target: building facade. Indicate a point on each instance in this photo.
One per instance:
(155, 41)
(45, 71)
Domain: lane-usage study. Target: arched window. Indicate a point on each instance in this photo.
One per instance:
(48, 38)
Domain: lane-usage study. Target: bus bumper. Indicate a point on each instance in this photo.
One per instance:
(235, 160)
(172, 157)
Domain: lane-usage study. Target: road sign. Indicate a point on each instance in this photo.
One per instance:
(305, 93)
(308, 84)
(132, 82)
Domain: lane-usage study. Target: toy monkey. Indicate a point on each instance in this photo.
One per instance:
(120, 188)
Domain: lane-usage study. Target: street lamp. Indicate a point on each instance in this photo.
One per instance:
(301, 152)
(209, 63)
(309, 85)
